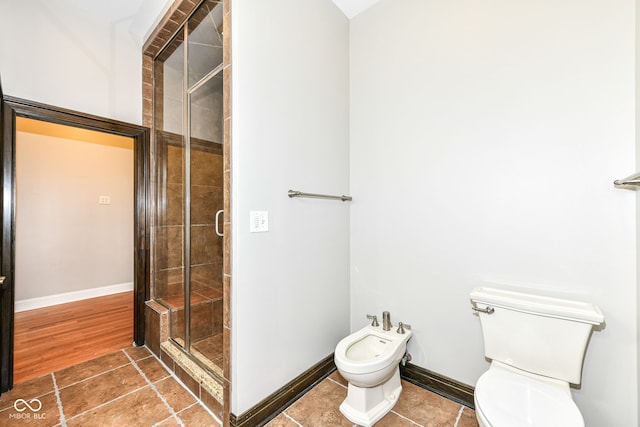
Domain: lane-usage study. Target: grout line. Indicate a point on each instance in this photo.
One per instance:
(459, 416)
(93, 376)
(155, 389)
(408, 419)
(288, 416)
(173, 375)
(332, 380)
(159, 423)
(63, 420)
(106, 403)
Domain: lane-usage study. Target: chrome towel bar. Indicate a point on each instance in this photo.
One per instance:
(293, 193)
(630, 180)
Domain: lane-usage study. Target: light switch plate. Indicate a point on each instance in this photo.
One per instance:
(259, 221)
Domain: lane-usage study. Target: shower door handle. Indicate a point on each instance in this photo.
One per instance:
(218, 222)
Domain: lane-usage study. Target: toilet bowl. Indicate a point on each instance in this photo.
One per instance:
(505, 397)
(536, 345)
(369, 360)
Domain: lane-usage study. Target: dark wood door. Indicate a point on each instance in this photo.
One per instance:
(7, 158)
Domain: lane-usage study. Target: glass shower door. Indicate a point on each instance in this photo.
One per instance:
(205, 136)
(206, 190)
(191, 193)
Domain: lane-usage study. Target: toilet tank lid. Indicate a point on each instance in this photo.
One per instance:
(538, 304)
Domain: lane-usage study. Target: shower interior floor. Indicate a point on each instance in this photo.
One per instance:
(207, 350)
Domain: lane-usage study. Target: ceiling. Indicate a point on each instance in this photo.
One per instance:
(141, 15)
(353, 7)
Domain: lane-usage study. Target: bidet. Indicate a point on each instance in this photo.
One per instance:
(369, 360)
(386, 321)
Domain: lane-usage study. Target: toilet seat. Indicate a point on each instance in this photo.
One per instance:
(390, 342)
(505, 398)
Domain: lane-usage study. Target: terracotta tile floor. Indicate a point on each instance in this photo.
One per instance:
(132, 388)
(126, 388)
(416, 407)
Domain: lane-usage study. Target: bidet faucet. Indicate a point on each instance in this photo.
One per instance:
(375, 320)
(402, 327)
(386, 321)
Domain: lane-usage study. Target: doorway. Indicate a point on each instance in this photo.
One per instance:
(74, 242)
(12, 108)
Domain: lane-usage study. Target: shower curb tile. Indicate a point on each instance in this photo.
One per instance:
(190, 368)
(188, 380)
(211, 403)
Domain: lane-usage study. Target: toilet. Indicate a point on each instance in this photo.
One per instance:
(536, 345)
(369, 360)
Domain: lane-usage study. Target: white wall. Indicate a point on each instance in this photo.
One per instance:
(485, 137)
(62, 56)
(65, 240)
(290, 131)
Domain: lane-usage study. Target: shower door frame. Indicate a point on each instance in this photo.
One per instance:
(16, 107)
(188, 142)
(164, 31)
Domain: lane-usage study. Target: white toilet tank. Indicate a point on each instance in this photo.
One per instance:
(538, 334)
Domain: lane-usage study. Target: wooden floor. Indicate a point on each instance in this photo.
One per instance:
(51, 338)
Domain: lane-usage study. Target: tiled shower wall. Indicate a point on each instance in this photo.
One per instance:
(156, 316)
(206, 199)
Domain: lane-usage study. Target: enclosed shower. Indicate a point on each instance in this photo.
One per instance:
(188, 116)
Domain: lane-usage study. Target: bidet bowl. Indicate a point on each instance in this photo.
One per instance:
(370, 356)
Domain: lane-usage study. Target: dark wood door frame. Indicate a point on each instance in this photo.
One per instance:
(15, 107)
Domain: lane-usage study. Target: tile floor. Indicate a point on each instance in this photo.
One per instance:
(132, 388)
(126, 388)
(416, 407)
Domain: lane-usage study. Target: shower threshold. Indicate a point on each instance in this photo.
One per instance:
(205, 377)
(207, 351)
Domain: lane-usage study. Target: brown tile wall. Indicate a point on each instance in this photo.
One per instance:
(156, 318)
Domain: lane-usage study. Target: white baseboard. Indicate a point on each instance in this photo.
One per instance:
(33, 303)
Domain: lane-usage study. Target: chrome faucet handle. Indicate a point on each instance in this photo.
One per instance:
(375, 320)
(402, 327)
